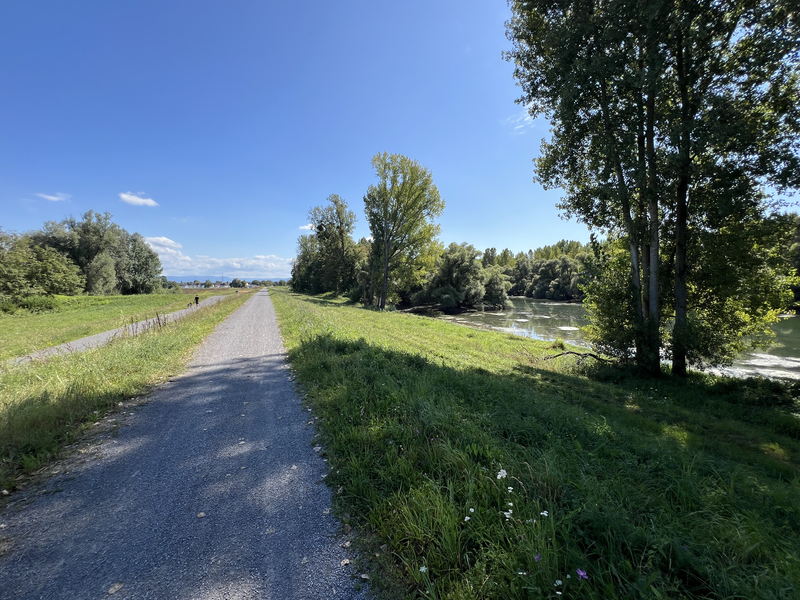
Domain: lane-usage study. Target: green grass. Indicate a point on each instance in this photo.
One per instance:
(81, 316)
(654, 488)
(45, 404)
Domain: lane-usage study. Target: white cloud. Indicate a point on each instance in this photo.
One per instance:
(59, 197)
(163, 241)
(308, 227)
(520, 122)
(176, 263)
(137, 200)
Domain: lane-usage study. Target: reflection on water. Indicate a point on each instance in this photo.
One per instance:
(546, 320)
(538, 319)
(781, 361)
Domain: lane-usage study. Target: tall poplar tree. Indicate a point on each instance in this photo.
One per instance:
(401, 210)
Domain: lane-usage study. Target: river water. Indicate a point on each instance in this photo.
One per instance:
(547, 320)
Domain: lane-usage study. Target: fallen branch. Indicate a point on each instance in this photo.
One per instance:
(582, 355)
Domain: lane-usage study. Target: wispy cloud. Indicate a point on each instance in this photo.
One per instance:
(308, 227)
(137, 199)
(520, 122)
(176, 263)
(58, 197)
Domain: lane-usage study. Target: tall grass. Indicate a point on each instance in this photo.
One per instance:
(490, 472)
(45, 404)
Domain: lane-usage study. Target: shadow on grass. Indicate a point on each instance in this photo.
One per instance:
(637, 480)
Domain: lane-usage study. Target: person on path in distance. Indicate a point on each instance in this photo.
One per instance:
(197, 300)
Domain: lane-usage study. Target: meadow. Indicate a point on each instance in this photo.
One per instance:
(474, 465)
(46, 404)
(76, 317)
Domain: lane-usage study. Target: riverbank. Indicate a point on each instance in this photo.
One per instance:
(474, 466)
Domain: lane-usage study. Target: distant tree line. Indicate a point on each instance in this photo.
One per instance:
(91, 255)
(404, 263)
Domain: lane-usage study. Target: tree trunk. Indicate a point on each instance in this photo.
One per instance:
(633, 246)
(385, 269)
(654, 337)
(680, 333)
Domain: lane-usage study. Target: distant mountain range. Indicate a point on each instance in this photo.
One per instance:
(213, 278)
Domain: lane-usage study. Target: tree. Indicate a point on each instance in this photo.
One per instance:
(136, 265)
(489, 257)
(400, 210)
(496, 286)
(208, 284)
(26, 269)
(143, 268)
(669, 119)
(458, 280)
(334, 226)
(101, 275)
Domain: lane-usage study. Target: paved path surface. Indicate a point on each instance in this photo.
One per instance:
(100, 339)
(229, 440)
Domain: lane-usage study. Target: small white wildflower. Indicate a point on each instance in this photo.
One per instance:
(510, 489)
(558, 582)
(508, 514)
(531, 521)
(569, 576)
(544, 513)
(466, 518)
(423, 569)
(511, 504)
(501, 474)
(521, 573)
(472, 510)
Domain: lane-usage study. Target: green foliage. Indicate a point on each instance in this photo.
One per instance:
(95, 240)
(26, 269)
(400, 211)
(144, 268)
(458, 279)
(101, 275)
(569, 248)
(328, 260)
(669, 120)
(208, 284)
(496, 285)
(674, 489)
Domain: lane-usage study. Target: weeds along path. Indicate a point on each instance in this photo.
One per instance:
(100, 339)
(212, 490)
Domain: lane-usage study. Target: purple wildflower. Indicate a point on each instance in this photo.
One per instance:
(582, 574)
(537, 558)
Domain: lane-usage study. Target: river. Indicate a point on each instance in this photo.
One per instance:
(547, 320)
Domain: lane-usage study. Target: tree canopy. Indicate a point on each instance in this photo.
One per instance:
(669, 121)
(401, 209)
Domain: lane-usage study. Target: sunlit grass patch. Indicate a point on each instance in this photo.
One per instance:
(82, 316)
(45, 404)
(490, 472)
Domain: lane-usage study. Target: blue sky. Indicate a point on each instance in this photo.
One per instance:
(211, 128)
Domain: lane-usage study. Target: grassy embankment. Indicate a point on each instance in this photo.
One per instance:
(45, 404)
(81, 316)
(489, 472)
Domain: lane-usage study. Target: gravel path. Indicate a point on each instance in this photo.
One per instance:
(210, 490)
(100, 339)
